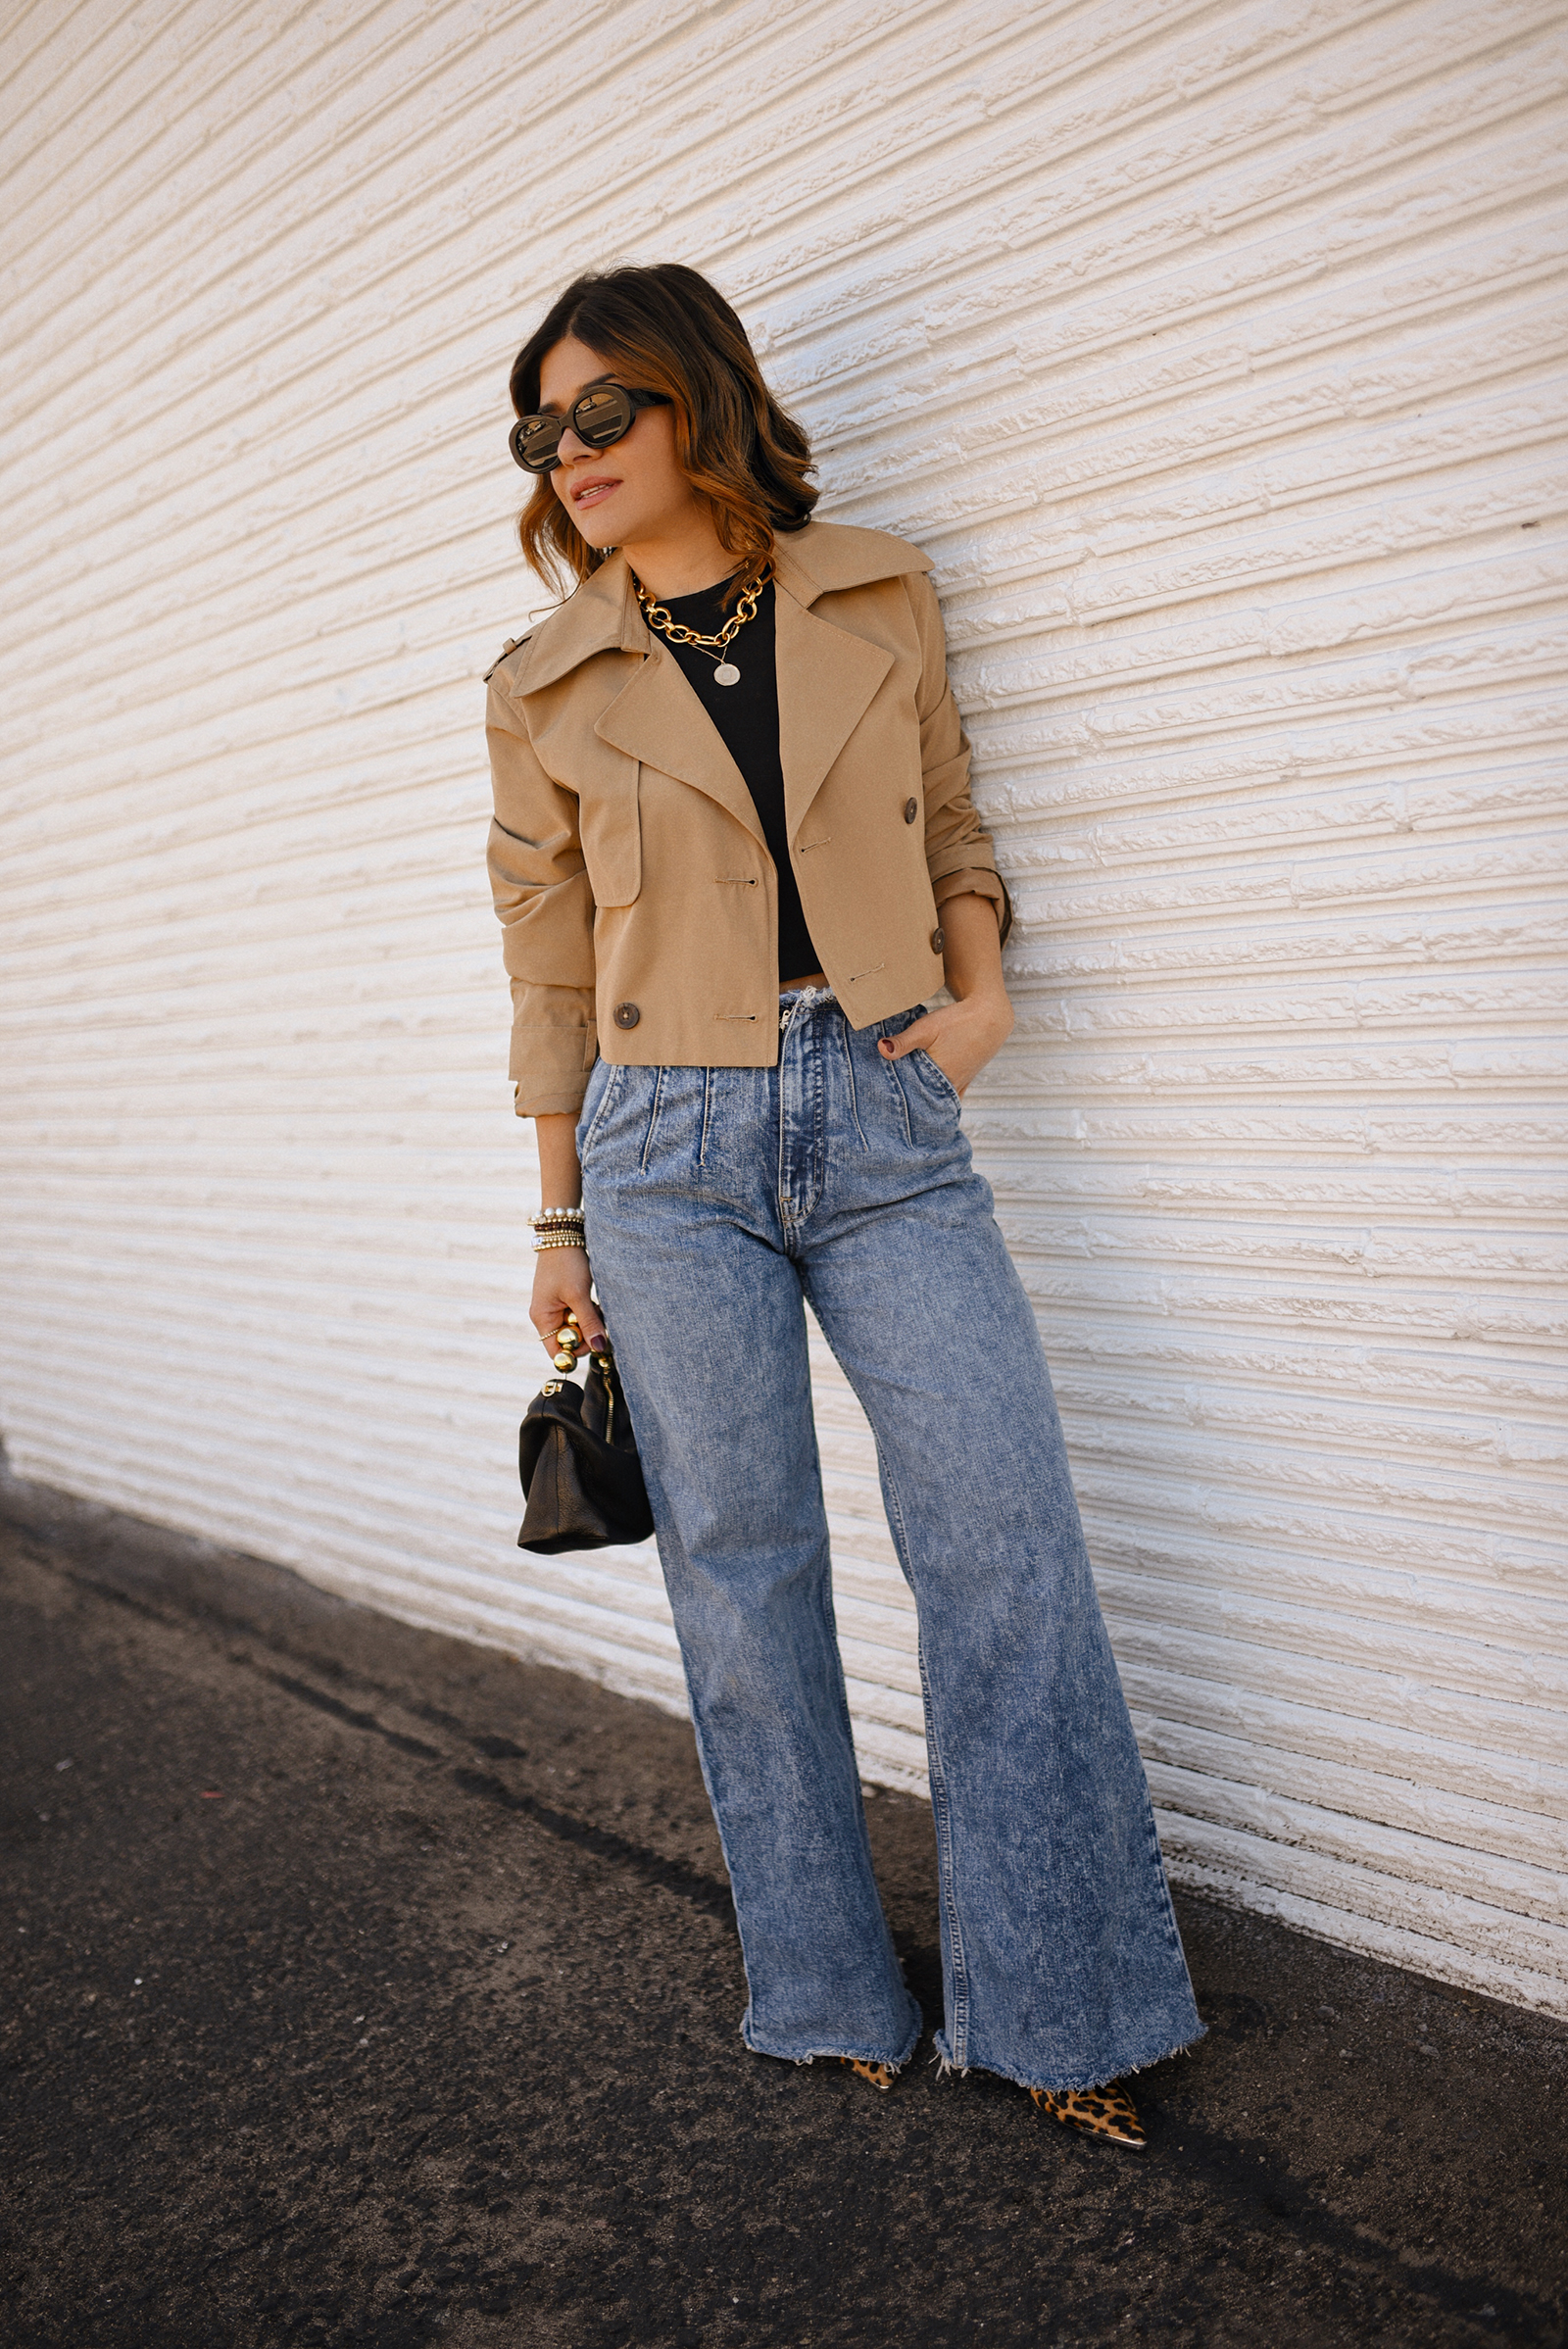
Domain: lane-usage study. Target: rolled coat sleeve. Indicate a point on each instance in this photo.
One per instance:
(539, 883)
(958, 854)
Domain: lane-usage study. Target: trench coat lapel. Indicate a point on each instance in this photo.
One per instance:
(657, 718)
(827, 680)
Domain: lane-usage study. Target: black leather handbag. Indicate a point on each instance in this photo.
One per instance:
(582, 1481)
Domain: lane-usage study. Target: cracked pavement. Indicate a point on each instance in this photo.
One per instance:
(365, 1987)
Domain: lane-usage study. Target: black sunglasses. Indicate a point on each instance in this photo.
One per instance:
(601, 415)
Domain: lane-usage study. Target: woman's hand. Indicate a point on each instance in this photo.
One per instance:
(563, 1285)
(963, 1035)
(961, 1038)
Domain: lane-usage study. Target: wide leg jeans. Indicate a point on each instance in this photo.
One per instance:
(718, 1203)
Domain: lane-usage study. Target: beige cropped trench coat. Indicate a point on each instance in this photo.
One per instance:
(629, 871)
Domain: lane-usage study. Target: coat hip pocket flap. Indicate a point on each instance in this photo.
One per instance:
(611, 831)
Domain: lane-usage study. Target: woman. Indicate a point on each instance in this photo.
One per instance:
(734, 854)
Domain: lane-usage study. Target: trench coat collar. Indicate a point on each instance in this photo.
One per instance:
(827, 675)
(604, 616)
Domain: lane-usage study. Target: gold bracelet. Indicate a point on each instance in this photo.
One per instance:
(544, 1240)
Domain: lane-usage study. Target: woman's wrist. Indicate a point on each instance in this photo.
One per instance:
(988, 1007)
(559, 1174)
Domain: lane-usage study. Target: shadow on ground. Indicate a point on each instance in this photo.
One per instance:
(368, 1988)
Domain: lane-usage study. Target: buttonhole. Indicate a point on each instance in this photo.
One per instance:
(866, 974)
(826, 841)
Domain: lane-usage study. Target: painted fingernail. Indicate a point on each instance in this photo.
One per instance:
(597, 1343)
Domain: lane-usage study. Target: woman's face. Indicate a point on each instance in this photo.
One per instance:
(630, 492)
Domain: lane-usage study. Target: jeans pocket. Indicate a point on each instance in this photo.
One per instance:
(936, 1077)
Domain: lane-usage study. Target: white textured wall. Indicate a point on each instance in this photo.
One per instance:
(1214, 354)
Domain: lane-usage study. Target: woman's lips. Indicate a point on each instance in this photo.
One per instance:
(595, 491)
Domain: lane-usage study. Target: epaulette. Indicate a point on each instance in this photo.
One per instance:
(509, 646)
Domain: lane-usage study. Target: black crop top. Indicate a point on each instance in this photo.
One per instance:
(746, 717)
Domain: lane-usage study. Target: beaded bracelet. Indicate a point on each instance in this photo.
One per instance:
(557, 1227)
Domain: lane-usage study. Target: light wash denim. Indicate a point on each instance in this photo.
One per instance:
(717, 1200)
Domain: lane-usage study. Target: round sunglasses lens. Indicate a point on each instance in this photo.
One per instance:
(534, 440)
(602, 415)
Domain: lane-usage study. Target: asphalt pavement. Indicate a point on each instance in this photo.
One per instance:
(366, 1989)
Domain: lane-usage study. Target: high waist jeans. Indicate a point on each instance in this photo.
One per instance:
(716, 1199)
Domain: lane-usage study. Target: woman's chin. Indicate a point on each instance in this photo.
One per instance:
(594, 523)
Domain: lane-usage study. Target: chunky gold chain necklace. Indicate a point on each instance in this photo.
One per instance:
(716, 647)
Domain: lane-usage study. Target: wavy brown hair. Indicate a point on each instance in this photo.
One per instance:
(666, 329)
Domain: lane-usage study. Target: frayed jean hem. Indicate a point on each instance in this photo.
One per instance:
(1076, 2083)
(847, 2052)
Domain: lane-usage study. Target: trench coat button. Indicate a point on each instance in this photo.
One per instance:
(912, 808)
(938, 939)
(626, 1015)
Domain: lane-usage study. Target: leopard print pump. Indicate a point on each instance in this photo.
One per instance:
(1106, 2112)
